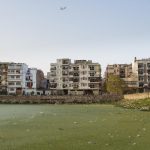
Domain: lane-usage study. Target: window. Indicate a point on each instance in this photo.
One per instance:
(18, 83)
(12, 89)
(148, 71)
(84, 78)
(76, 68)
(12, 77)
(91, 67)
(141, 78)
(17, 71)
(92, 73)
(140, 65)
(83, 84)
(140, 71)
(148, 65)
(75, 85)
(17, 77)
(11, 83)
(91, 86)
(11, 71)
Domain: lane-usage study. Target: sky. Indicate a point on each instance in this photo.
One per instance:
(37, 32)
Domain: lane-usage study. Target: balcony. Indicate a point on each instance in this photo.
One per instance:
(53, 85)
(148, 71)
(52, 81)
(140, 71)
(65, 62)
(65, 73)
(141, 78)
(65, 67)
(75, 79)
(14, 86)
(75, 86)
(148, 65)
(65, 86)
(53, 69)
(76, 74)
(92, 74)
(94, 79)
(14, 67)
(53, 74)
(141, 65)
(91, 68)
(75, 68)
(93, 86)
(14, 72)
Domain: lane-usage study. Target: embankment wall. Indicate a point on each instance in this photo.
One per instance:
(87, 99)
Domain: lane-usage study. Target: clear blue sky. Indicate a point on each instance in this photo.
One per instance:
(37, 32)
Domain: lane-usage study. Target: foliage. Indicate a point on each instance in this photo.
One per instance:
(104, 88)
(116, 85)
(141, 104)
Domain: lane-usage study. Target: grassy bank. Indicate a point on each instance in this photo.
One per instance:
(75, 127)
(141, 104)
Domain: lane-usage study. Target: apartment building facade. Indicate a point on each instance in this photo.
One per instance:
(59, 76)
(30, 82)
(78, 78)
(3, 77)
(141, 68)
(16, 78)
(123, 71)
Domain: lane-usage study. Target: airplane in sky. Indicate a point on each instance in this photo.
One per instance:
(63, 8)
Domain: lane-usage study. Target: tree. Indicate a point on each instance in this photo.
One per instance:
(115, 85)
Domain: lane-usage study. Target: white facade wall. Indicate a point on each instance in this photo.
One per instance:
(141, 69)
(74, 76)
(16, 77)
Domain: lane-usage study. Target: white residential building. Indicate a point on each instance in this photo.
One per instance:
(80, 77)
(141, 68)
(16, 77)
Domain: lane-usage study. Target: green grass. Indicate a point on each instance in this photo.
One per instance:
(135, 104)
(73, 127)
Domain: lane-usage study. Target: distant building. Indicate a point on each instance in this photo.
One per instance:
(30, 82)
(3, 77)
(141, 68)
(39, 78)
(16, 78)
(78, 78)
(123, 71)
